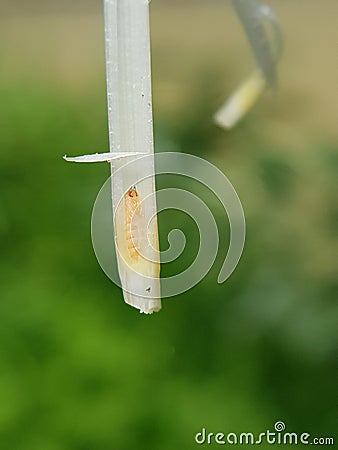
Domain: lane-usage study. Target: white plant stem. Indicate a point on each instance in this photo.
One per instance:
(131, 131)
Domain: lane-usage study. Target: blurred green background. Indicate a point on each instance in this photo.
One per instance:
(79, 369)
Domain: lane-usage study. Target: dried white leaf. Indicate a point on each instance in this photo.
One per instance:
(101, 157)
(241, 101)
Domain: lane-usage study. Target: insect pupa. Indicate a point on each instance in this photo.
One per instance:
(132, 211)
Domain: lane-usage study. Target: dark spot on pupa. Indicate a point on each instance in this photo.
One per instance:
(148, 289)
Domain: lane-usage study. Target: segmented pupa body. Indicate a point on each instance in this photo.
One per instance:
(132, 211)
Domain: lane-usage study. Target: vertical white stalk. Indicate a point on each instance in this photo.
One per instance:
(127, 43)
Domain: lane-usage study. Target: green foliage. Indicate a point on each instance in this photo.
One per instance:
(80, 370)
